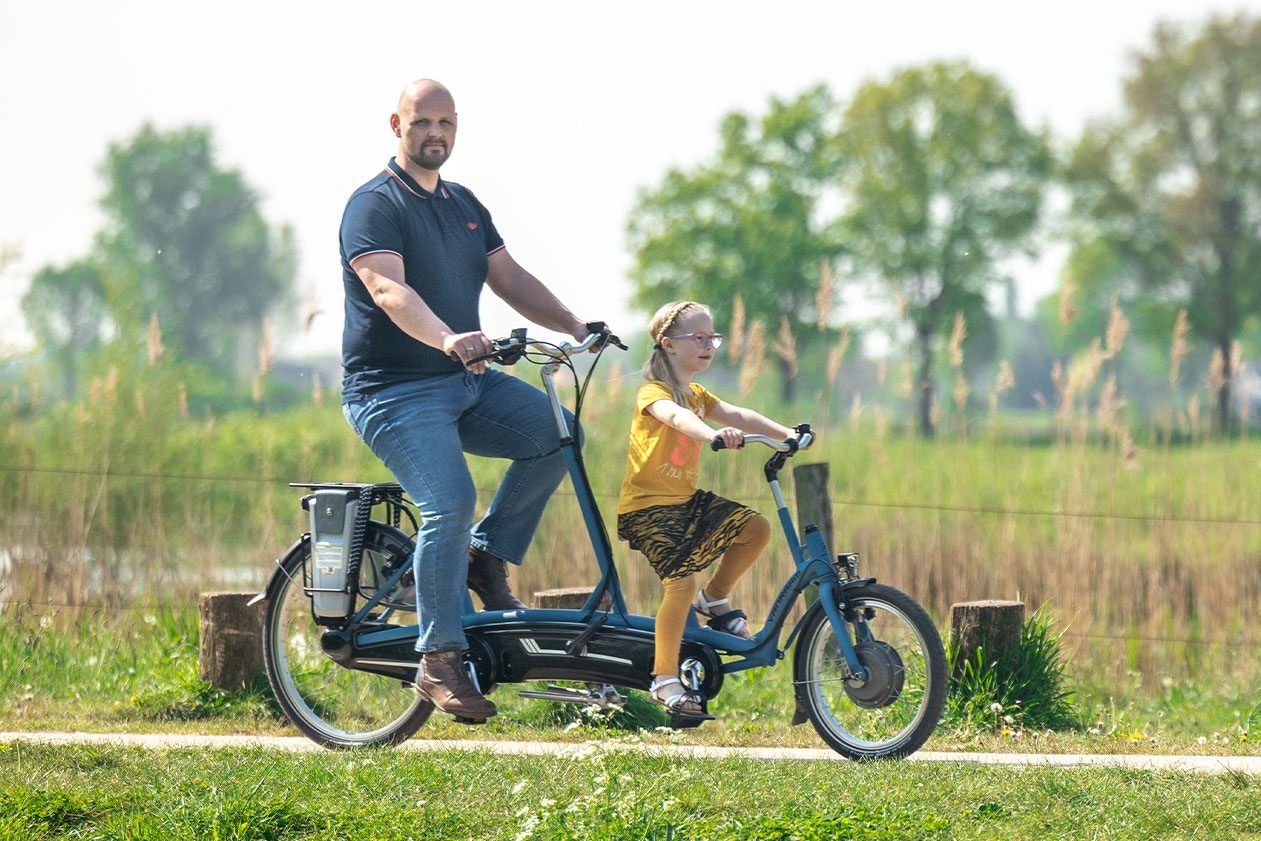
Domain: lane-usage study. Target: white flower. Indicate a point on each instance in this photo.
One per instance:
(1201, 741)
(996, 708)
(1009, 719)
(519, 787)
(46, 621)
(150, 619)
(547, 803)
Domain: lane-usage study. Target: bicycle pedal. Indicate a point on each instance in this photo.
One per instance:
(459, 719)
(686, 721)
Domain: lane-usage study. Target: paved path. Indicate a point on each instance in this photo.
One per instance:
(1208, 764)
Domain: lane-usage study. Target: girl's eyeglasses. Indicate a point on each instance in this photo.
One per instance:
(702, 339)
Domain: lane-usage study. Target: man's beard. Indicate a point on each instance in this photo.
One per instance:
(431, 159)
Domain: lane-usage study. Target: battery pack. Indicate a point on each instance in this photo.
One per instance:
(332, 527)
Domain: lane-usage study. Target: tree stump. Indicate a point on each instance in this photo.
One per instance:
(230, 655)
(991, 625)
(569, 598)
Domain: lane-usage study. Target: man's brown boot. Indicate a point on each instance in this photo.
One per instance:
(443, 681)
(488, 578)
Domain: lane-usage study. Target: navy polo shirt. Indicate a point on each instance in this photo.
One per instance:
(444, 238)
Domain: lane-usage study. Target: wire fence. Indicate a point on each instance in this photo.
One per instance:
(836, 503)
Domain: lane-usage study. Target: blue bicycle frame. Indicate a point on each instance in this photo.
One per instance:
(811, 556)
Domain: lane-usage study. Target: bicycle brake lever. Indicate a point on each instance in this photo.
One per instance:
(608, 338)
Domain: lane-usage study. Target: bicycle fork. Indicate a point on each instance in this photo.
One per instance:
(815, 549)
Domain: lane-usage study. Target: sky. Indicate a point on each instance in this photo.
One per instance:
(566, 109)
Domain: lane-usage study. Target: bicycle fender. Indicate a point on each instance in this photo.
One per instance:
(815, 606)
(279, 574)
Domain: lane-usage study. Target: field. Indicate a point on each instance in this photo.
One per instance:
(1145, 556)
(1145, 559)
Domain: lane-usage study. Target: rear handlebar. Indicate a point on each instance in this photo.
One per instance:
(509, 350)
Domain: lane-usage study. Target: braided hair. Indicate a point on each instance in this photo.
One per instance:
(658, 365)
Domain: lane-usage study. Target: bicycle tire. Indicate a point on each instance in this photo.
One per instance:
(334, 706)
(893, 713)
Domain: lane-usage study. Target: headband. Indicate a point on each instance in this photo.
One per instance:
(667, 323)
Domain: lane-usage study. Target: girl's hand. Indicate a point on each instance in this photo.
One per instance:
(732, 438)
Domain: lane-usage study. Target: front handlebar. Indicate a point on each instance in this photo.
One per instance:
(509, 350)
(790, 445)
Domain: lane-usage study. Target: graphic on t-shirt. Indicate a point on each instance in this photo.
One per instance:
(684, 451)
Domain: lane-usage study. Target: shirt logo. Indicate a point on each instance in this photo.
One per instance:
(472, 226)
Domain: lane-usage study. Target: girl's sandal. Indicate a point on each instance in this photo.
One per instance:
(728, 621)
(686, 709)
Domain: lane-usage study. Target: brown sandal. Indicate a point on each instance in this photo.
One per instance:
(686, 708)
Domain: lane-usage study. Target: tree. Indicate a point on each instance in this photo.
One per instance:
(65, 311)
(747, 223)
(185, 241)
(942, 182)
(1172, 187)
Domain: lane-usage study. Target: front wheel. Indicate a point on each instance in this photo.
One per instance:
(333, 705)
(894, 710)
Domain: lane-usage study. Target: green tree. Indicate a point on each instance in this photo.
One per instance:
(942, 181)
(747, 223)
(65, 311)
(185, 241)
(1172, 186)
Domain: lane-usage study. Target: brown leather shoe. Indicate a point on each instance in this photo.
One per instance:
(488, 578)
(443, 681)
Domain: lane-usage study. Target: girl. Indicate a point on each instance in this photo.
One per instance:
(682, 530)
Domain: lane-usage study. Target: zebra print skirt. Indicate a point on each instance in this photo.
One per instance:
(679, 540)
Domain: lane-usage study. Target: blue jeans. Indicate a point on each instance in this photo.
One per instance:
(421, 430)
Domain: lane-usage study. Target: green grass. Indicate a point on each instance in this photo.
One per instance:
(137, 672)
(596, 792)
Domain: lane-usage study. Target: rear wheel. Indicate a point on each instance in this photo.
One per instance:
(894, 710)
(333, 705)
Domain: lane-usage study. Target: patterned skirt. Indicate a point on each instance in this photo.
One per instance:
(683, 539)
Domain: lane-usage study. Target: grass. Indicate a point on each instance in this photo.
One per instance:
(596, 792)
(137, 671)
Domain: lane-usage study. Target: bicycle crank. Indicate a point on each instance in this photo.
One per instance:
(602, 695)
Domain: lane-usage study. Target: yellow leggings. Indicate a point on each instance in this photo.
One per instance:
(679, 592)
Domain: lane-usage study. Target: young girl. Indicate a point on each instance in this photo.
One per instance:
(682, 530)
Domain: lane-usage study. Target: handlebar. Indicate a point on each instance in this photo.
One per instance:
(509, 350)
(791, 445)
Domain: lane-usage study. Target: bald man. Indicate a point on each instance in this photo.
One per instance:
(416, 251)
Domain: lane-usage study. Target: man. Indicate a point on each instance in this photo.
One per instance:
(416, 251)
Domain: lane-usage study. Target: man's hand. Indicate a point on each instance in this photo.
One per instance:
(465, 346)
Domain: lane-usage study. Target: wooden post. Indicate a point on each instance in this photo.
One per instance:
(569, 598)
(992, 626)
(814, 502)
(814, 505)
(230, 655)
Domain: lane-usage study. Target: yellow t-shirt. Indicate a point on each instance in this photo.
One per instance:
(662, 464)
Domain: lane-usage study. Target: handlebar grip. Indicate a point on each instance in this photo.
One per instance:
(717, 444)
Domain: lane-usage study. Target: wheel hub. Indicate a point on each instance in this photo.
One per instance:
(884, 675)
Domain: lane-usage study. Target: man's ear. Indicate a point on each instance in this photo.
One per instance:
(395, 125)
